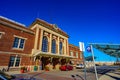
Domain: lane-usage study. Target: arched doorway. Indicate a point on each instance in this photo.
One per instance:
(45, 61)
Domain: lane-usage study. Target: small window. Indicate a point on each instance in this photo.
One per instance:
(12, 59)
(17, 61)
(18, 43)
(77, 55)
(81, 55)
(1, 33)
(71, 53)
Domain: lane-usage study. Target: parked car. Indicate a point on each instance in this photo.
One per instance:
(4, 76)
(79, 66)
(69, 67)
(66, 67)
(63, 68)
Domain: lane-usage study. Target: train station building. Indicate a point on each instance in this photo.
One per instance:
(37, 45)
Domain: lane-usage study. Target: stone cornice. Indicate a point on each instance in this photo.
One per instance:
(49, 26)
(15, 25)
(73, 46)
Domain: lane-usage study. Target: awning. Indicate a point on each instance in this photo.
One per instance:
(46, 54)
(110, 49)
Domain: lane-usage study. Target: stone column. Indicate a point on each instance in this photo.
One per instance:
(64, 46)
(50, 43)
(41, 37)
(67, 46)
(36, 38)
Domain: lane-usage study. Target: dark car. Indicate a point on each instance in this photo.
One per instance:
(69, 67)
(66, 67)
(4, 76)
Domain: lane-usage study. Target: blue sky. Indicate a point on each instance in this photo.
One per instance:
(88, 21)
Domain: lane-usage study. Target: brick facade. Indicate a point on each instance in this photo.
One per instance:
(33, 42)
(8, 32)
(75, 50)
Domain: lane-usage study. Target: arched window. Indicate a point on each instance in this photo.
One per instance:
(53, 46)
(60, 47)
(45, 44)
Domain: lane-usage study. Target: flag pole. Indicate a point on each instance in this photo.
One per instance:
(94, 62)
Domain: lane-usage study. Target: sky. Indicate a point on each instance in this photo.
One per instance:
(88, 21)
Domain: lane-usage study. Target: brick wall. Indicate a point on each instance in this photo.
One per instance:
(7, 40)
(75, 49)
(6, 45)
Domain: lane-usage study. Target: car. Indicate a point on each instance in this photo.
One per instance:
(66, 67)
(63, 68)
(79, 66)
(69, 67)
(5, 76)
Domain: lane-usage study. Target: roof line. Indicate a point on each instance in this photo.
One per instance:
(103, 44)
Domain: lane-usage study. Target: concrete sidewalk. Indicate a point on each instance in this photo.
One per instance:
(108, 76)
(111, 76)
(18, 72)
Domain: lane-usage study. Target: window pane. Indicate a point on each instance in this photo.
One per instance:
(60, 48)
(71, 53)
(53, 46)
(17, 61)
(16, 41)
(21, 43)
(76, 54)
(45, 44)
(12, 59)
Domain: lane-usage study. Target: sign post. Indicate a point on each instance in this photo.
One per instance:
(81, 45)
(94, 62)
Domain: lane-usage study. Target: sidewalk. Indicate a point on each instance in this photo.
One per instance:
(13, 72)
(111, 76)
(18, 72)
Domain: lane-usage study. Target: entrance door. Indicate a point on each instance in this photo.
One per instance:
(45, 61)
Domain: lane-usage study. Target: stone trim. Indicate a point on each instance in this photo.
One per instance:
(15, 53)
(15, 26)
(48, 26)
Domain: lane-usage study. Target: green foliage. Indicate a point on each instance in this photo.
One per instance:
(90, 58)
(23, 68)
(46, 68)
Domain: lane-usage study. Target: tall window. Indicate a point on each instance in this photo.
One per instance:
(71, 53)
(14, 61)
(60, 48)
(53, 46)
(45, 44)
(17, 61)
(1, 33)
(77, 55)
(18, 43)
(81, 55)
